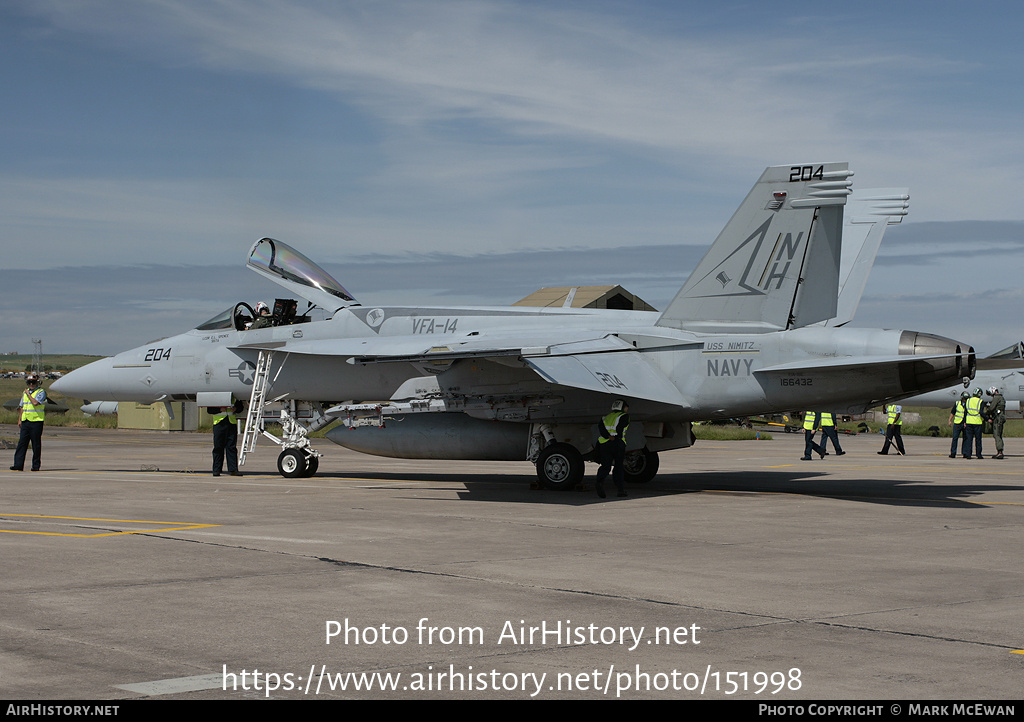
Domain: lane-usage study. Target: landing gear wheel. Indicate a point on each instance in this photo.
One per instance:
(641, 466)
(560, 467)
(312, 464)
(291, 464)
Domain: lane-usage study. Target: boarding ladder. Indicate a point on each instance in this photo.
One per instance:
(254, 416)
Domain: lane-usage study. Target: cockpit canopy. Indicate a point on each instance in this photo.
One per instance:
(286, 267)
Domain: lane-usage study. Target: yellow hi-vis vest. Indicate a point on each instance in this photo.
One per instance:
(809, 420)
(958, 412)
(31, 409)
(610, 422)
(974, 411)
(826, 420)
(217, 418)
(893, 413)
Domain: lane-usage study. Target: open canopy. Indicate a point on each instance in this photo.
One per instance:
(286, 267)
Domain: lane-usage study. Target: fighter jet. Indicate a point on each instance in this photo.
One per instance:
(743, 336)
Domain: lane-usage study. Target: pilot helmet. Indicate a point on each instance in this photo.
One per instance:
(262, 308)
(992, 391)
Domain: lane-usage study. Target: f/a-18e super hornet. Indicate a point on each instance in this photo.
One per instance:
(745, 335)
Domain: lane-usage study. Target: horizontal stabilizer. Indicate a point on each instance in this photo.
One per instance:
(775, 265)
(1016, 351)
(916, 373)
(999, 364)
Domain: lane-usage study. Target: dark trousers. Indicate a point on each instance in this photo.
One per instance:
(31, 433)
(893, 435)
(225, 442)
(809, 444)
(829, 433)
(958, 429)
(612, 453)
(972, 435)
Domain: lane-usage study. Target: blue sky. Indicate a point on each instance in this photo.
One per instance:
(470, 152)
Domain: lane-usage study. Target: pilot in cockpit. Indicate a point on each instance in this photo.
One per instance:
(263, 317)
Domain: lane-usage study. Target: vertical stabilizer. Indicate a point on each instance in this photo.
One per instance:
(775, 265)
(868, 213)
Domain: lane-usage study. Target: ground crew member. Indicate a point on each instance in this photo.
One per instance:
(828, 431)
(956, 419)
(812, 421)
(893, 429)
(30, 423)
(611, 447)
(972, 425)
(997, 413)
(225, 437)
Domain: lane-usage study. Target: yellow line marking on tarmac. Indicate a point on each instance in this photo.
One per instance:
(1017, 651)
(181, 526)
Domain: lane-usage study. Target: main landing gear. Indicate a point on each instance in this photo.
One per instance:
(560, 466)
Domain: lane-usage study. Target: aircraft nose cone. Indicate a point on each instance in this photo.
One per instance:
(89, 382)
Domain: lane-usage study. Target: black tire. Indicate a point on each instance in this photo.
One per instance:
(312, 464)
(291, 464)
(641, 466)
(560, 467)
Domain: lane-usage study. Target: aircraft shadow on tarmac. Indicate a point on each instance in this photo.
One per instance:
(516, 488)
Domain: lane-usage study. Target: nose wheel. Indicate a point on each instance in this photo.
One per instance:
(293, 464)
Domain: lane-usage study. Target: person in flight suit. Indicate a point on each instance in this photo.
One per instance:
(997, 413)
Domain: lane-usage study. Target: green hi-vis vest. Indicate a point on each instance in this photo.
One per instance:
(610, 422)
(31, 409)
(974, 411)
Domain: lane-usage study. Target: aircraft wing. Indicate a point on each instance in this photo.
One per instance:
(587, 360)
(425, 348)
(626, 373)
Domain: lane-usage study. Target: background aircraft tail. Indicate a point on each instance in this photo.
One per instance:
(775, 265)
